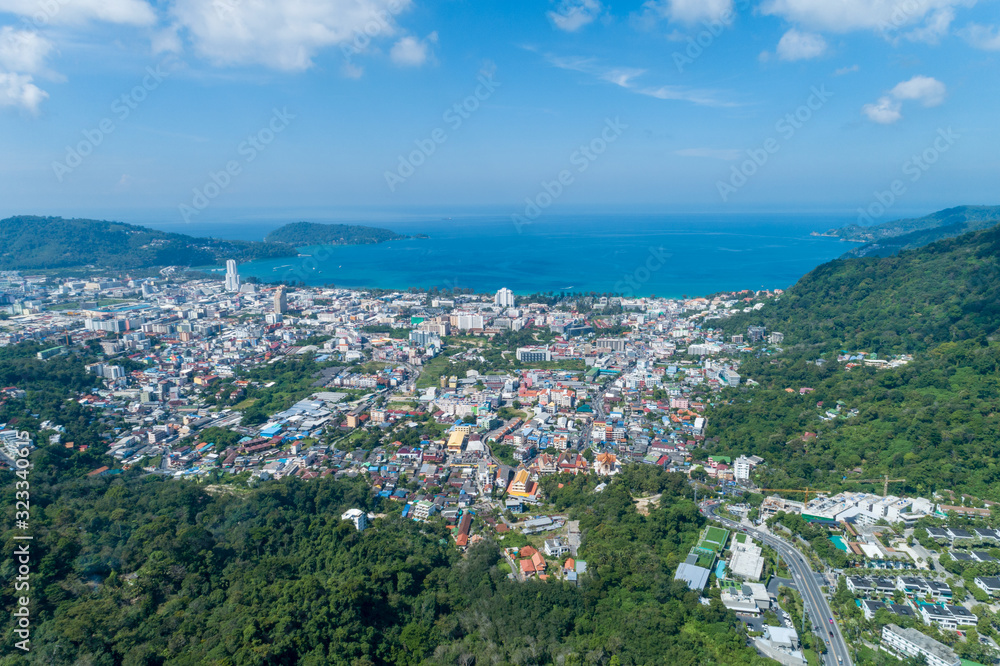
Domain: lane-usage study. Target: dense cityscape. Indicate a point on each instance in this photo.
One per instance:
(460, 409)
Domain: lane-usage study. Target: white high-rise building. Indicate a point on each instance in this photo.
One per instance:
(504, 298)
(232, 276)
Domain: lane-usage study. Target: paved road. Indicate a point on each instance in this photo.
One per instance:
(805, 580)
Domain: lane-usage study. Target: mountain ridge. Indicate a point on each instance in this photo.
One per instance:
(891, 237)
(32, 242)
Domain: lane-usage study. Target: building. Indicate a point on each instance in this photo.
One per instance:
(742, 468)
(533, 354)
(738, 602)
(46, 354)
(467, 321)
(280, 301)
(519, 485)
(696, 577)
(423, 510)
(755, 334)
(356, 516)
(504, 298)
(614, 344)
(906, 643)
(455, 441)
(747, 562)
(555, 548)
(522, 486)
(989, 584)
(232, 277)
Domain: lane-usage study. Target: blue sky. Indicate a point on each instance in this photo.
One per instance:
(237, 104)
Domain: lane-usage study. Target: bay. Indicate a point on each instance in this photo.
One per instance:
(632, 254)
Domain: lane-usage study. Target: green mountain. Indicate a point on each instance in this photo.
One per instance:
(946, 291)
(934, 422)
(300, 234)
(891, 237)
(136, 568)
(31, 243)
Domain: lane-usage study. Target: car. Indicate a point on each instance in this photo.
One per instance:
(831, 620)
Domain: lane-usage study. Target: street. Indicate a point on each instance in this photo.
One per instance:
(805, 580)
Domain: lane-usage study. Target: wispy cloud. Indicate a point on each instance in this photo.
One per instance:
(627, 78)
(574, 14)
(727, 154)
(985, 37)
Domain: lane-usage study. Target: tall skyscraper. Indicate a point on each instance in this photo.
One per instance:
(504, 298)
(232, 276)
(280, 301)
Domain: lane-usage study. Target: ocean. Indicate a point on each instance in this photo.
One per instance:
(632, 254)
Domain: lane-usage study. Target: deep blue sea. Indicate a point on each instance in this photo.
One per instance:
(665, 255)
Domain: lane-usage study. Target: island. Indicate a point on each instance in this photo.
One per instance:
(301, 234)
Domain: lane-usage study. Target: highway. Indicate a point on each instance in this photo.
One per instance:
(805, 580)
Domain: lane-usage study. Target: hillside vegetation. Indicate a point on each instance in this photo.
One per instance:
(947, 291)
(32, 243)
(934, 422)
(145, 570)
(891, 237)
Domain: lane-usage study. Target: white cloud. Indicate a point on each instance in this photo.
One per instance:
(796, 45)
(888, 109)
(624, 77)
(412, 52)
(934, 29)
(982, 36)
(885, 111)
(847, 15)
(128, 12)
(571, 15)
(22, 50)
(22, 53)
(352, 71)
(283, 34)
(727, 154)
(689, 11)
(621, 76)
(18, 90)
(846, 70)
(167, 41)
(928, 91)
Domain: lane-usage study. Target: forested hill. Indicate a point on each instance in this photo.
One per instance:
(31, 243)
(139, 569)
(946, 291)
(301, 234)
(890, 238)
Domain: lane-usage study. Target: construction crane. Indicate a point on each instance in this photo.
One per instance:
(807, 491)
(885, 481)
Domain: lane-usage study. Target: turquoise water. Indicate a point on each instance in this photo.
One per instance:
(636, 255)
(839, 543)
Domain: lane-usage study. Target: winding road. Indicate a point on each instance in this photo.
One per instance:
(808, 585)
